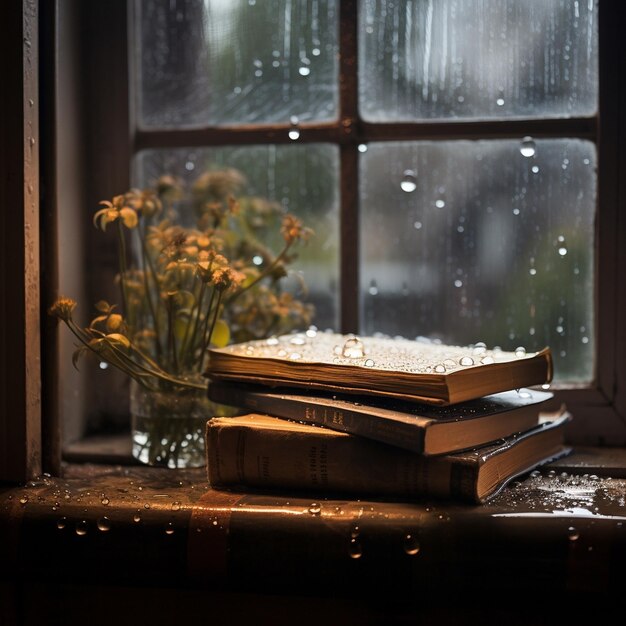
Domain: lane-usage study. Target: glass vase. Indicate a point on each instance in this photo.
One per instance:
(168, 427)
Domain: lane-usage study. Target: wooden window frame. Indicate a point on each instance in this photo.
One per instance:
(109, 131)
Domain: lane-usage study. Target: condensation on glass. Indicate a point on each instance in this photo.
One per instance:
(432, 59)
(221, 62)
(488, 241)
(302, 179)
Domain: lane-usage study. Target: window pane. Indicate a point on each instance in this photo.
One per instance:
(212, 62)
(487, 241)
(302, 179)
(427, 59)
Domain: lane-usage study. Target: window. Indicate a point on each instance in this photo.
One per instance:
(429, 142)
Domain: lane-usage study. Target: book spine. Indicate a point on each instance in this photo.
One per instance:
(406, 435)
(251, 456)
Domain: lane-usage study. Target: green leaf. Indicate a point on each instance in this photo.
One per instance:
(221, 334)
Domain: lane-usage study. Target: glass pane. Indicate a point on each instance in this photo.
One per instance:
(212, 62)
(303, 180)
(427, 59)
(487, 241)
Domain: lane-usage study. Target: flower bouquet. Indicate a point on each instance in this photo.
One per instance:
(183, 289)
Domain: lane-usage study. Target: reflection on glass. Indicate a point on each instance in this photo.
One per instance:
(490, 241)
(302, 179)
(217, 62)
(446, 59)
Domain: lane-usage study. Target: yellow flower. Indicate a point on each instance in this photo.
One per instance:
(145, 201)
(113, 211)
(227, 278)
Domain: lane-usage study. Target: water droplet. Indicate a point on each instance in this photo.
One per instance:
(373, 288)
(303, 70)
(527, 147)
(189, 166)
(417, 225)
(440, 369)
(146, 505)
(458, 283)
(562, 250)
(297, 340)
(257, 259)
(81, 528)
(104, 524)
(516, 211)
(369, 363)
(535, 474)
(500, 102)
(362, 147)
(534, 169)
(137, 517)
(105, 501)
(440, 204)
(353, 348)
(409, 182)
(487, 360)
(311, 331)
(24, 499)
(411, 545)
(169, 529)
(466, 361)
(355, 550)
(520, 352)
(294, 132)
(61, 523)
(175, 506)
(354, 533)
(103, 365)
(572, 533)
(295, 356)
(272, 341)
(316, 52)
(449, 364)
(315, 508)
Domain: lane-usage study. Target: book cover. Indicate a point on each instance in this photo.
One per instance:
(420, 371)
(260, 451)
(422, 428)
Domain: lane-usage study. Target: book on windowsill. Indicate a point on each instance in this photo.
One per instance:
(261, 451)
(421, 428)
(414, 370)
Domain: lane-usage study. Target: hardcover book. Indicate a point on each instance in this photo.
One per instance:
(414, 370)
(261, 451)
(421, 428)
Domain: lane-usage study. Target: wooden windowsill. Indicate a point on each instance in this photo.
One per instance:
(114, 525)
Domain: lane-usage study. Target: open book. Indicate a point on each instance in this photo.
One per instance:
(260, 451)
(421, 428)
(391, 367)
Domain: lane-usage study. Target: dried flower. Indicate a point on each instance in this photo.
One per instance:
(63, 308)
(190, 287)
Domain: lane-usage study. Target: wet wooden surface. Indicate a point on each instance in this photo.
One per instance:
(134, 525)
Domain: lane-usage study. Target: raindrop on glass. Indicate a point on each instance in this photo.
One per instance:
(61, 523)
(103, 365)
(458, 283)
(369, 363)
(440, 203)
(136, 517)
(409, 182)
(81, 528)
(535, 169)
(105, 501)
(104, 524)
(527, 147)
(175, 506)
(520, 352)
(572, 533)
(440, 369)
(257, 259)
(169, 529)
(362, 147)
(294, 134)
(466, 361)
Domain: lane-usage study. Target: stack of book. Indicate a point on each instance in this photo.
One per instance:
(380, 416)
